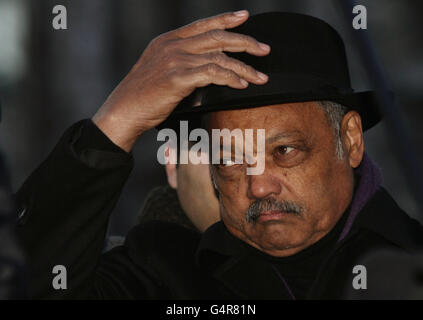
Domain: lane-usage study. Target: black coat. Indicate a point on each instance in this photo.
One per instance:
(67, 202)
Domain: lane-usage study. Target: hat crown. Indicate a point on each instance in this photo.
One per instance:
(300, 44)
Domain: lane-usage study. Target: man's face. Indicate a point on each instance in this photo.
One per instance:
(195, 190)
(304, 188)
(196, 194)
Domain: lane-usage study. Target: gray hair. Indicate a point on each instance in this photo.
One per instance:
(335, 112)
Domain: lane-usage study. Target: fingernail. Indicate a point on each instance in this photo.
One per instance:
(241, 13)
(262, 76)
(243, 82)
(264, 46)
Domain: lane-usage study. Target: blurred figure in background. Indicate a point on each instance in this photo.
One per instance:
(189, 199)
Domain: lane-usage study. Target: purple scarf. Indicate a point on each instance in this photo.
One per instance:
(369, 181)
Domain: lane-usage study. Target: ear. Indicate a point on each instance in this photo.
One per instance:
(352, 138)
(171, 172)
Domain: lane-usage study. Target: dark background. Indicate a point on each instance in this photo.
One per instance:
(50, 78)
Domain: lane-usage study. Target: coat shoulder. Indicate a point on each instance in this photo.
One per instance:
(161, 238)
(384, 216)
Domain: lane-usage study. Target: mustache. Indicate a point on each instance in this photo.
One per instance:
(263, 205)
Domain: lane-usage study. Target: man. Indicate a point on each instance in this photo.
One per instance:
(295, 231)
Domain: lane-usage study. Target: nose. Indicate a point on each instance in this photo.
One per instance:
(263, 186)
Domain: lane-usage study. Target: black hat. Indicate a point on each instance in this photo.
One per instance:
(307, 62)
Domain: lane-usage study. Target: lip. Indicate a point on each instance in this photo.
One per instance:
(271, 215)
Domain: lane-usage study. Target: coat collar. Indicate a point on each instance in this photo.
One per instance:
(369, 179)
(382, 216)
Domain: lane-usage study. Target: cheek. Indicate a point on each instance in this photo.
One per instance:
(228, 183)
(233, 199)
(315, 185)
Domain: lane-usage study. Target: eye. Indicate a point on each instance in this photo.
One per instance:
(289, 156)
(284, 150)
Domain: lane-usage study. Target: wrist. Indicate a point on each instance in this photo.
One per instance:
(120, 132)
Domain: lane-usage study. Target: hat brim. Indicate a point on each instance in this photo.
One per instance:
(219, 98)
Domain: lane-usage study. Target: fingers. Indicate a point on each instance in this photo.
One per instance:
(241, 69)
(222, 21)
(212, 74)
(197, 58)
(219, 40)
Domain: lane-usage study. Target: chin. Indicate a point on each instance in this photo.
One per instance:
(277, 236)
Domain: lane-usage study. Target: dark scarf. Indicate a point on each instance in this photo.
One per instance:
(370, 179)
(162, 204)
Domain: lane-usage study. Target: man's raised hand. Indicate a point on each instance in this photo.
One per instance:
(171, 67)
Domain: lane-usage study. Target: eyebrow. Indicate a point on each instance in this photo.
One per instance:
(283, 135)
